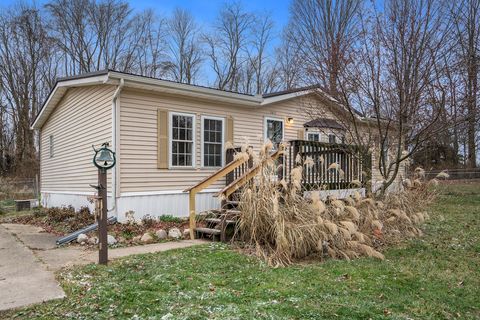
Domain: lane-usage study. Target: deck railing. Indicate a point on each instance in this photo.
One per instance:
(241, 180)
(354, 162)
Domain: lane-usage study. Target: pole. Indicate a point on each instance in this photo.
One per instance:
(102, 219)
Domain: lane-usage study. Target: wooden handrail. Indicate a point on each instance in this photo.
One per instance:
(247, 176)
(220, 173)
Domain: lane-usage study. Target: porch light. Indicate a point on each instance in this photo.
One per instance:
(289, 120)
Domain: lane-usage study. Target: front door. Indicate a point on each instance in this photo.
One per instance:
(274, 131)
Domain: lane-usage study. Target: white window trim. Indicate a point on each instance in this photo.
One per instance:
(265, 120)
(312, 133)
(170, 136)
(202, 141)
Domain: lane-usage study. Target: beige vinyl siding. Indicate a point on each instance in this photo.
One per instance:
(82, 118)
(138, 136)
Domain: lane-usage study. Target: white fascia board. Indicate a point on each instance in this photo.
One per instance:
(50, 105)
(283, 97)
(186, 89)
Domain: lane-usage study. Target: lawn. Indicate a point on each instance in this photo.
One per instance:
(434, 277)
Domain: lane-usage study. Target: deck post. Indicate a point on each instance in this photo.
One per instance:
(191, 205)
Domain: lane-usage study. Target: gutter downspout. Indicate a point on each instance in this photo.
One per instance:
(114, 143)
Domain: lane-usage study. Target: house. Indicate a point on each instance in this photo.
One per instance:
(167, 137)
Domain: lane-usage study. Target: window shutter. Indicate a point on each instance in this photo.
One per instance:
(229, 130)
(162, 129)
(301, 134)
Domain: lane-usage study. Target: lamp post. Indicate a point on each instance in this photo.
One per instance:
(103, 159)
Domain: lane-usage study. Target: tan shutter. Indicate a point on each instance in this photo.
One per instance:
(162, 127)
(229, 130)
(301, 134)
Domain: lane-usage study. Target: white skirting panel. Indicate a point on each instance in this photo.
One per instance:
(154, 204)
(64, 199)
(396, 186)
(339, 194)
(175, 204)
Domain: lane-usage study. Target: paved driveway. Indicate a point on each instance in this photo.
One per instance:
(24, 279)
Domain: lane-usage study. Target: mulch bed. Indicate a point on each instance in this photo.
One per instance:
(65, 220)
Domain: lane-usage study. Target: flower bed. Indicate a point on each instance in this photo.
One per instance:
(65, 220)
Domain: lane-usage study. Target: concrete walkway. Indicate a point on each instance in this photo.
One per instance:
(29, 258)
(24, 280)
(69, 256)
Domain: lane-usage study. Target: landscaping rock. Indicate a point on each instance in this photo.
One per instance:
(121, 240)
(82, 238)
(147, 237)
(111, 240)
(174, 233)
(92, 241)
(161, 234)
(136, 238)
(186, 232)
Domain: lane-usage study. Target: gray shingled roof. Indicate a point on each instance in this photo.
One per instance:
(323, 123)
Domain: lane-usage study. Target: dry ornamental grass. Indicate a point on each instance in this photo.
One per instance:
(281, 226)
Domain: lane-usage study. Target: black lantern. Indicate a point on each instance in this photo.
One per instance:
(104, 158)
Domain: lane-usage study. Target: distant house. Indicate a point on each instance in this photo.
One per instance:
(167, 136)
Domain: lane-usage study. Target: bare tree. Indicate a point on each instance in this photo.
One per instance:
(101, 35)
(184, 46)
(388, 90)
(259, 59)
(25, 72)
(289, 62)
(227, 45)
(324, 31)
(466, 19)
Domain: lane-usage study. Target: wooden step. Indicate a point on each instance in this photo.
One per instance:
(214, 232)
(218, 220)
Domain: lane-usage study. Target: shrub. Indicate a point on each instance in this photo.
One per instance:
(169, 218)
(66, 218)
(278, 224)
(148, 221)
(129, 230)
(39, 212)
(56, 214)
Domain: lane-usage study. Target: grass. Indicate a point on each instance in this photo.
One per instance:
(433, 277)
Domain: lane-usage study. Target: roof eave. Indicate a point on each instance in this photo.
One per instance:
(57, 93)
(111, 77)
(186, 89)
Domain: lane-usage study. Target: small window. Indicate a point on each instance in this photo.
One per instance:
(212, 142)
(332, 138)
(274, 131)
(313, 136)
(182, 140)
(50, 138)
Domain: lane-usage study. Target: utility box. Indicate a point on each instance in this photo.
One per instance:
(21, 205)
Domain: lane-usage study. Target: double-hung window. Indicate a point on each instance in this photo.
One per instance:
(313, 136)
(212, 141)
(182, 130)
